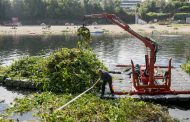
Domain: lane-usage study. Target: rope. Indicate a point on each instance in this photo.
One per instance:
(62, 107)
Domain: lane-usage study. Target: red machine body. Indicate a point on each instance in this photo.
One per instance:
(145, 81)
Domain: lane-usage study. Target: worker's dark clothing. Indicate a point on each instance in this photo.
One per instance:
(106, 78)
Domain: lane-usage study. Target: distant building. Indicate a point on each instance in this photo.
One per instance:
(188, 20)
(130, 3)
(187, 1)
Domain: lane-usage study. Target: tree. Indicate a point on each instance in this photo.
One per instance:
(5, 11)
(161, 4)
(67, 10)
(34, 9)
(17, 8)
(108, 5)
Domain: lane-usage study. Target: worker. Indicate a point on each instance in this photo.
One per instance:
(136, 69)
(106, 78)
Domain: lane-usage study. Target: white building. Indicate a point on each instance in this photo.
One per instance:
(129, 3)
(132, 4)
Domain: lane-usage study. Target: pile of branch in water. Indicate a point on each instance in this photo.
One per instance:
(88, 108)
(65, 70)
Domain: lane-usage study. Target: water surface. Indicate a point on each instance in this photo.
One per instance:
(111, 50)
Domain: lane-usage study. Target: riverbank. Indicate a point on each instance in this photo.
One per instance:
(108, 29)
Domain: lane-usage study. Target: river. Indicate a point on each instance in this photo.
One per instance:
(111, 50)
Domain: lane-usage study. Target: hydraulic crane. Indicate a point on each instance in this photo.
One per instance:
(145, 79)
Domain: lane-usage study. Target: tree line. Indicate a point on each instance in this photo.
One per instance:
(162, 10)
(63, 11)
(55, 11)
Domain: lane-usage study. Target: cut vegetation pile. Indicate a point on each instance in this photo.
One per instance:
(65, 70)
(89, 108)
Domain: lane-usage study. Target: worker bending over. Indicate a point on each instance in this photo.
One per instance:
(106, 78)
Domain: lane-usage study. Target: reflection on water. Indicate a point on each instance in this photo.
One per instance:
(121, 51)
(110, 50)
(15, 47)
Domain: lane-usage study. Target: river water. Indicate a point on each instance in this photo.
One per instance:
(111, 50)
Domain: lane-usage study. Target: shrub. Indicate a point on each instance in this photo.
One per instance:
(181, 16)
(184, 9)
(159, 16)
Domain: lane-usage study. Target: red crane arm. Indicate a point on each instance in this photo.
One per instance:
(148, 42)
(117, 21)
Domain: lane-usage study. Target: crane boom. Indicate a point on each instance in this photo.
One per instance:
(147, 41)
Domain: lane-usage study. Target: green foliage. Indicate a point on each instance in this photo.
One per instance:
(186, 67)
(178, 4)
(55, 11)
(26, 67)
(145, 7)
(85, 38)
(88, 108)
(159, 16)
(3, 70)
(65, 70)
(181, 16)
(72, 71)
(163, 9)
(184, 9)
